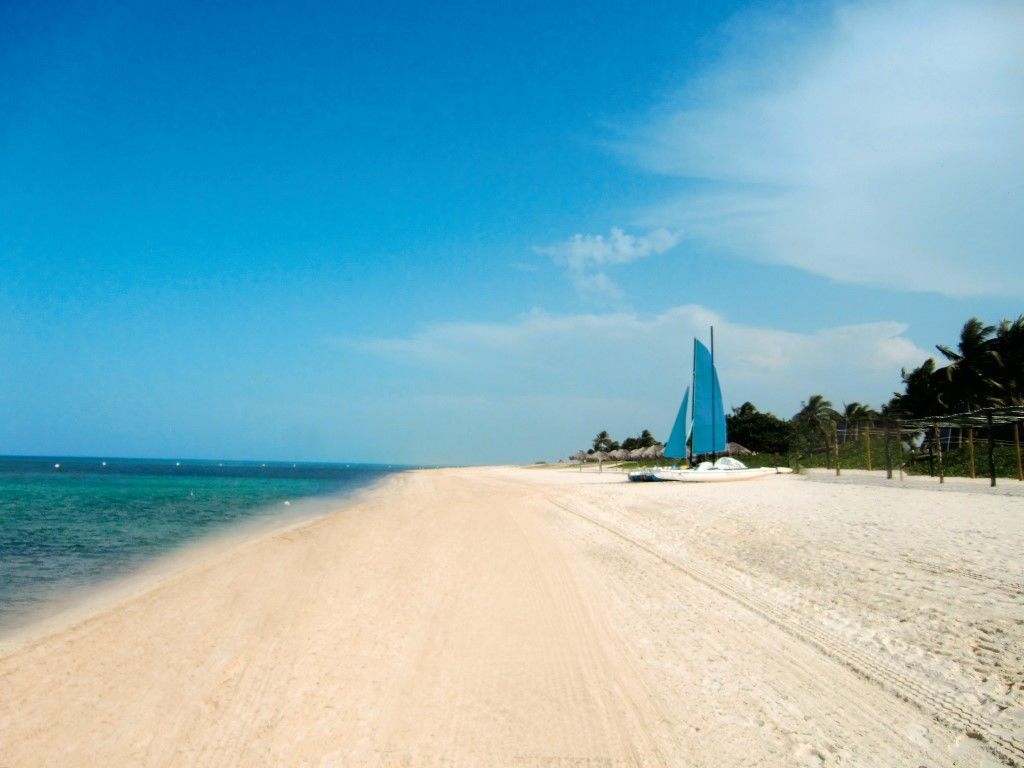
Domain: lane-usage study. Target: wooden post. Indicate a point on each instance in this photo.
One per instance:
(1016, 444)
(937, 434)
(888, 456)
(991, 450)
(867, 445)
(970, 450)
(835, 443)
(931, 455)
(899, 432)
(826, 433)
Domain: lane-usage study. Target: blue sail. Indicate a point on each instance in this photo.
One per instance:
(676, 446)
(708, 410)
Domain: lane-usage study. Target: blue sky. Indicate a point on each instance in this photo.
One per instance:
(455, 234)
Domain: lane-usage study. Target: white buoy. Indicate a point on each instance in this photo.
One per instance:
(56, 466)
(177, 463)
(104, 463)
(287, 503)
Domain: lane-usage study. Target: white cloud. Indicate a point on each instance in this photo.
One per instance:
(882, 144)
(547, 379)
(585, 256)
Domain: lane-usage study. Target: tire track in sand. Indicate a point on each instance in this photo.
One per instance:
(891, 677)
(1010, 588)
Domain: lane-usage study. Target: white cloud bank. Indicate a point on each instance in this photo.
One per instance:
(585, 257)
(520, 390)
(883, 144)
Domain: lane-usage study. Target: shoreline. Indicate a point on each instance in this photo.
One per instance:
(495, 616)
(84, 602)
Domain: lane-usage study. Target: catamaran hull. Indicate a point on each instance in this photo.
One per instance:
(717, 475)
(643, 476)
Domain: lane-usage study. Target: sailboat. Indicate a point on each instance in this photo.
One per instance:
(699, 430)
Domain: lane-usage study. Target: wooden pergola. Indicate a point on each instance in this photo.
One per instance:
(982, 418)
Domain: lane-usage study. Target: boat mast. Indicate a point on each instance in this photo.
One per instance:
(712, 383)
(693, 405)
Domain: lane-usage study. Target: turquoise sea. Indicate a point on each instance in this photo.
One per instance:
(69, 523)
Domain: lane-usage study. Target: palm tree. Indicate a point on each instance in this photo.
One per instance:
(817, 412)
(647, 439)
(604, 443)
(972, 372)
(815, 420)
(921, 389)
(854, 414)
(1008, 348)
(871, 416)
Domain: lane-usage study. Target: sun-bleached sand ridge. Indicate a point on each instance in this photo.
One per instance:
(511, 617)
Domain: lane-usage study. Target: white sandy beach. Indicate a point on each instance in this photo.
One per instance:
(555, 618)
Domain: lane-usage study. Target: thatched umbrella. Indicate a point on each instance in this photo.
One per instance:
(735, 449)
(619, 454)
(579, 456)
(636, 454)
(654, 451)
(598, 456)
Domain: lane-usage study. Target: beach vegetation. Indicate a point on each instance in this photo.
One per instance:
(921, 388)
(971, 375)
(855, 419)
(1008, 349)
(644, 440)
(813, 427)
(759, 431)
(985, 368)
(603, 442)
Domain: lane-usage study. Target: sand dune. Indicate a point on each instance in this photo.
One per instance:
(511, 617)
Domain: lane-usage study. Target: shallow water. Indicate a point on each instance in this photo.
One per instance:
(68, 523)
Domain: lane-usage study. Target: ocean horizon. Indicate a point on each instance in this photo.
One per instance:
(72, 523)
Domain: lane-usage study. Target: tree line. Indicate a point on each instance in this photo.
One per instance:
(604, 443)
(985, 368)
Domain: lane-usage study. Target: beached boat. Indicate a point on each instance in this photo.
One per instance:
(699, 430)
(723, 470)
